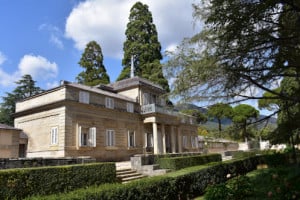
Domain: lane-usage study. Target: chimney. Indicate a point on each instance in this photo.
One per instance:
(132, 68)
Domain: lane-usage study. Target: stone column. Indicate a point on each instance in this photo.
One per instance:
(145, 139)
(173, 140)
(155, 139)
(163, 133)
(179, 136)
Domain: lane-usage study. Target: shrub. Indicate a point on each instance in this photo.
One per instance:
(19, 183)
(217, 192)
(183, 184)
(177, 163)
(235, 189)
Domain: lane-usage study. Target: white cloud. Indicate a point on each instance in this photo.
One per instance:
(56, 41)
(38, 67)
(6, 79)
(105, 22)
(55, 34)
(2, 58)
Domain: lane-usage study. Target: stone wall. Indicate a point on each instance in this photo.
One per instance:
(218, 146)
(6, 163)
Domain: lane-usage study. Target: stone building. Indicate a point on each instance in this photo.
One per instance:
(12, 142)
(107, 122)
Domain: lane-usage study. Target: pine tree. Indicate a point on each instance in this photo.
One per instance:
(92, 61)
(26, 88)
(142, 43)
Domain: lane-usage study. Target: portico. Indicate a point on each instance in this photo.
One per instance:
(164, 133)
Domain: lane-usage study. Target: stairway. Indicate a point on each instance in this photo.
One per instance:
(127, 175)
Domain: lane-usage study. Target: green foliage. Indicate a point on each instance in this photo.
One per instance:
(92, 61)
(183, 184)
(25, 88)
(142, 43)
(242, 115)
(217, 192)
(275, 183)
(200, 117)
(220, 111)
(237, 188)
(243, 47)
(19, 183)
(176, 163)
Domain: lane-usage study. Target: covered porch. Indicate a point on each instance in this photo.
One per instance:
(169, 133)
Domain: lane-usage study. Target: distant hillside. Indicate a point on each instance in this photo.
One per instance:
(213, 123)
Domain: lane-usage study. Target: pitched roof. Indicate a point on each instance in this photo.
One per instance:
(4, 126)
(135, 81)
(100, 91)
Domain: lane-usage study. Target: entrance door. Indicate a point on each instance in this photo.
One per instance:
(22, 150)
(149, 142)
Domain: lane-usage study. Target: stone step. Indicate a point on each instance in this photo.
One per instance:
(128, 179)
(127, 175)
(125, 171)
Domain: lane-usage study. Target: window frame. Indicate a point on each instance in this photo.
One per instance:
(109, 103)
(87, 139)
(110, 138)
(130, 107)
(84, 97)
(54, 136)
(131, 141)
(194, 141)
(184, 141)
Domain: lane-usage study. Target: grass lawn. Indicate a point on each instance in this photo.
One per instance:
(274, 183)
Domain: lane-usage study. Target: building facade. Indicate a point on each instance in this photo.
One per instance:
(107, 122)
(12, 142)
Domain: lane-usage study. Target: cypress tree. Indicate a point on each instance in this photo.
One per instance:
(92, 61)
(142, 43)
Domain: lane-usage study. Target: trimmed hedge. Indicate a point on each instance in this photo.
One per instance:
(183, 184)
(177, 163)
(19, 183)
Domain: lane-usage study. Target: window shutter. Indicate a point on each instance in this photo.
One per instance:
(107, 138)
(112, 138)
(134, 138)
(92, 137)
(54, 135)
(79, 136)
(128, 138)
(55, 141)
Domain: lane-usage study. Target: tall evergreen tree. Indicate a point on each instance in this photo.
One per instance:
(142, 43)
(26, 88)
(92, 61)
(242, 45)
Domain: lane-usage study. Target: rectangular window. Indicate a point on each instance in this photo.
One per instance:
(130, 107)
(146, 98)
(149, 140)
(131, 139)
(194, 141)
(184, 141)
(84, 97)
(54, 136)
(109, 103)
(87, 137)
(110, 138)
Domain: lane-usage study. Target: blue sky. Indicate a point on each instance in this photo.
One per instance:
(46, 38)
